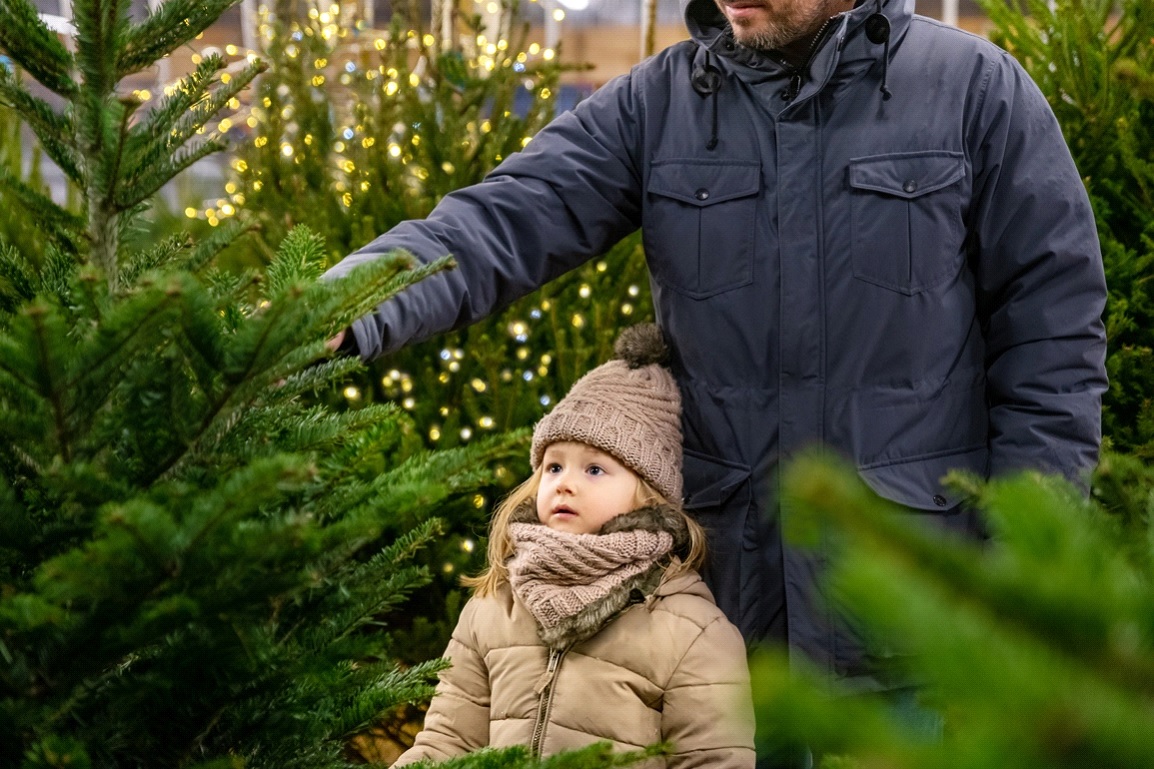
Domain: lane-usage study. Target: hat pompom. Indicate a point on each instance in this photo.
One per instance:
(642, 345)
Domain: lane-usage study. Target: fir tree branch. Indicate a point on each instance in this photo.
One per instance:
(136, 190)
(167, 28)
(101, 26)
(219, 239)
(164, 253)
(62, 226)
(36, 48)
(50, 127)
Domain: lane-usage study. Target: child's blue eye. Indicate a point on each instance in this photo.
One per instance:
(596, 470)
(553, 468)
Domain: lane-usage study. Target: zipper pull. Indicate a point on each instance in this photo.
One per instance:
(794, 88)
(550, 671)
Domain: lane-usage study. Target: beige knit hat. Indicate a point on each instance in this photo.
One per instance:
(629, 407)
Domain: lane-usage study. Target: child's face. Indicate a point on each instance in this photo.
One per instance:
(582, 488)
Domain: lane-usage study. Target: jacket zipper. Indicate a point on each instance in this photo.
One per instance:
(796, 73)
(545, 703)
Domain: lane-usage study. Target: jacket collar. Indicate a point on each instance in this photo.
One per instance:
(845, 51)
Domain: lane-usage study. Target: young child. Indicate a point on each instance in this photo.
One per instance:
(591, 622)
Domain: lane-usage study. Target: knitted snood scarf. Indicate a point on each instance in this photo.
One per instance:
(572, 583)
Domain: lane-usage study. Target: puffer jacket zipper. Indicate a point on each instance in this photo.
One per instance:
(544, 690)
(796, 74)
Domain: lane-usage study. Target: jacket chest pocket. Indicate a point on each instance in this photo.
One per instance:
(699, 225)
(907, 221)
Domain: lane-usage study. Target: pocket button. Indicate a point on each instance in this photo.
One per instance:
(910, 186)
(939, 500)
(702, 194)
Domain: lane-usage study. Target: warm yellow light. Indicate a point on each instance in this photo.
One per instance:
(352, 393)
(558, 14)
(286, 149)
(320, 63)
(391, 88)
(479, 385)
(428, 40)
(525, 141)
(308, 140)
(368, 141)
(414, 81)
(448, 167)
(394, 150)
(318, 80)
(225, 78)
(548, 54)
(256, 186)
(230, 49)
(190, 213)
(534, 49)
(379, 44)
(234, 103)
(230, 188)
(224, 125)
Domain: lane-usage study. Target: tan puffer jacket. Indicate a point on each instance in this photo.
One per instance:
(670, 668)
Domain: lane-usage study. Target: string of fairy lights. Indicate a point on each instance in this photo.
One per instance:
(346, 39)
(528, 366)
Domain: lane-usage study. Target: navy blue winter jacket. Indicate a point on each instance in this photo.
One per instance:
(913, 281)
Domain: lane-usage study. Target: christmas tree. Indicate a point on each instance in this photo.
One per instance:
(194, 551)
(1094, 61)
(355, 130)
(1035, 649)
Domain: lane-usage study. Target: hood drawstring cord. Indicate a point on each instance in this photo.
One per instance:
(877, 29)
(706, 80)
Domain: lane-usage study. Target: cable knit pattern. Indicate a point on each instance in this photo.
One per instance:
(557, 574)
(629, 407)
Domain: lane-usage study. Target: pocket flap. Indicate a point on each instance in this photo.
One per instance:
(703, 183)
(710, 482)
(918, 483)
(907, 175)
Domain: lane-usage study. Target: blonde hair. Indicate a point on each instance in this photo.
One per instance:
(501, 548)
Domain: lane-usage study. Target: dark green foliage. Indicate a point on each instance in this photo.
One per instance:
(1037, 648)
(600, 755)
(115, 153)
(194, 554)
(1094, 61)
(188, 562)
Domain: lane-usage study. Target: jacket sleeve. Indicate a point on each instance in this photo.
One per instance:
(569, 196)
(708, 710)
(458, 718)
(1040, 286)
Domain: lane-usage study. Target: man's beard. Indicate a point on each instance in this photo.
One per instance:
(775, 34)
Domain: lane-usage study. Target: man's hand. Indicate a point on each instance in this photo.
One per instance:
(334, 344)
